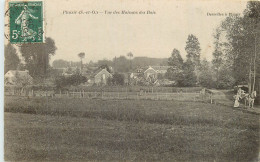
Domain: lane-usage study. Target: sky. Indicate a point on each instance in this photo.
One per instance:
(104, 36)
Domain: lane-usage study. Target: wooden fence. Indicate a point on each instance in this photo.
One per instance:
(142, 95)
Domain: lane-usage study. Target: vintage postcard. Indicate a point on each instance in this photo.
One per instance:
(142, 80)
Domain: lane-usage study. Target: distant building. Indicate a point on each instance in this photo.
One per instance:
(18, 78)
(150, 72)
(161, 69)
(101, 76)
(153, 71)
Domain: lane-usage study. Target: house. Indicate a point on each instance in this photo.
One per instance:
(153, 71)
(101, 76)
(150, 73)
(18, 78)
(161, 69)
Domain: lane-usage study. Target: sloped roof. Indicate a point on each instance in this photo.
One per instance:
(20, 73)
(150, 68)
(161, 67)
(156, 68)
(100, 70)
(17, 76)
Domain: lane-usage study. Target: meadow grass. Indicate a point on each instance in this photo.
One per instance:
(82, 129)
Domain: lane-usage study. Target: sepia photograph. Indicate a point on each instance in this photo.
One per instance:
(139, 80)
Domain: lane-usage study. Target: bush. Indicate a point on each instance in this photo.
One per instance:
(75, 79)
(117, 79)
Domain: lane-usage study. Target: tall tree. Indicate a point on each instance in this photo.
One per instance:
(130, 55)
(190, 78)
(11, 58)
(37, 56)
(81, 56)
(193, 49)
(253, 12)
(242, 35)
(193, 58)
(121, 64)
(217, 60)
(175, 59)
(175, 73)
(205, 77)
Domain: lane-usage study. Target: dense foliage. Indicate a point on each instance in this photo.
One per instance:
(37, 56)
(11, 58)
(73, 80)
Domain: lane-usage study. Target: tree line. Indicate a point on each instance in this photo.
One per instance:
(235, 56)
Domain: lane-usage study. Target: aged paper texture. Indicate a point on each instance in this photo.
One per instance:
(141, 80)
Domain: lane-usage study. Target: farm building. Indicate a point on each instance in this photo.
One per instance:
(101, 76)
(161, 69)
(150, 72)
(153, 71)
(15, 77)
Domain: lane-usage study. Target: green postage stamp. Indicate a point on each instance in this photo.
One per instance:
(26, 21)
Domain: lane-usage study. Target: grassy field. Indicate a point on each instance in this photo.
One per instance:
(81, 129)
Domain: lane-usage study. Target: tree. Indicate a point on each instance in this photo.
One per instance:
(193, 58)
(205, 77)
(189, 75)
(73, 80)
(217, 60)
(193, 49)
(60, 63)
(117, 79)
(105, 66)
(11, 58)
(37, 56)
(121, 64)
(253, 12)
(175, 60)
(81, 56)
(242, 34)
(175, 73)
(130, 55)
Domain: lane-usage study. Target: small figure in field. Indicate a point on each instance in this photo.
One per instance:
(251, 99)
(237, 97)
